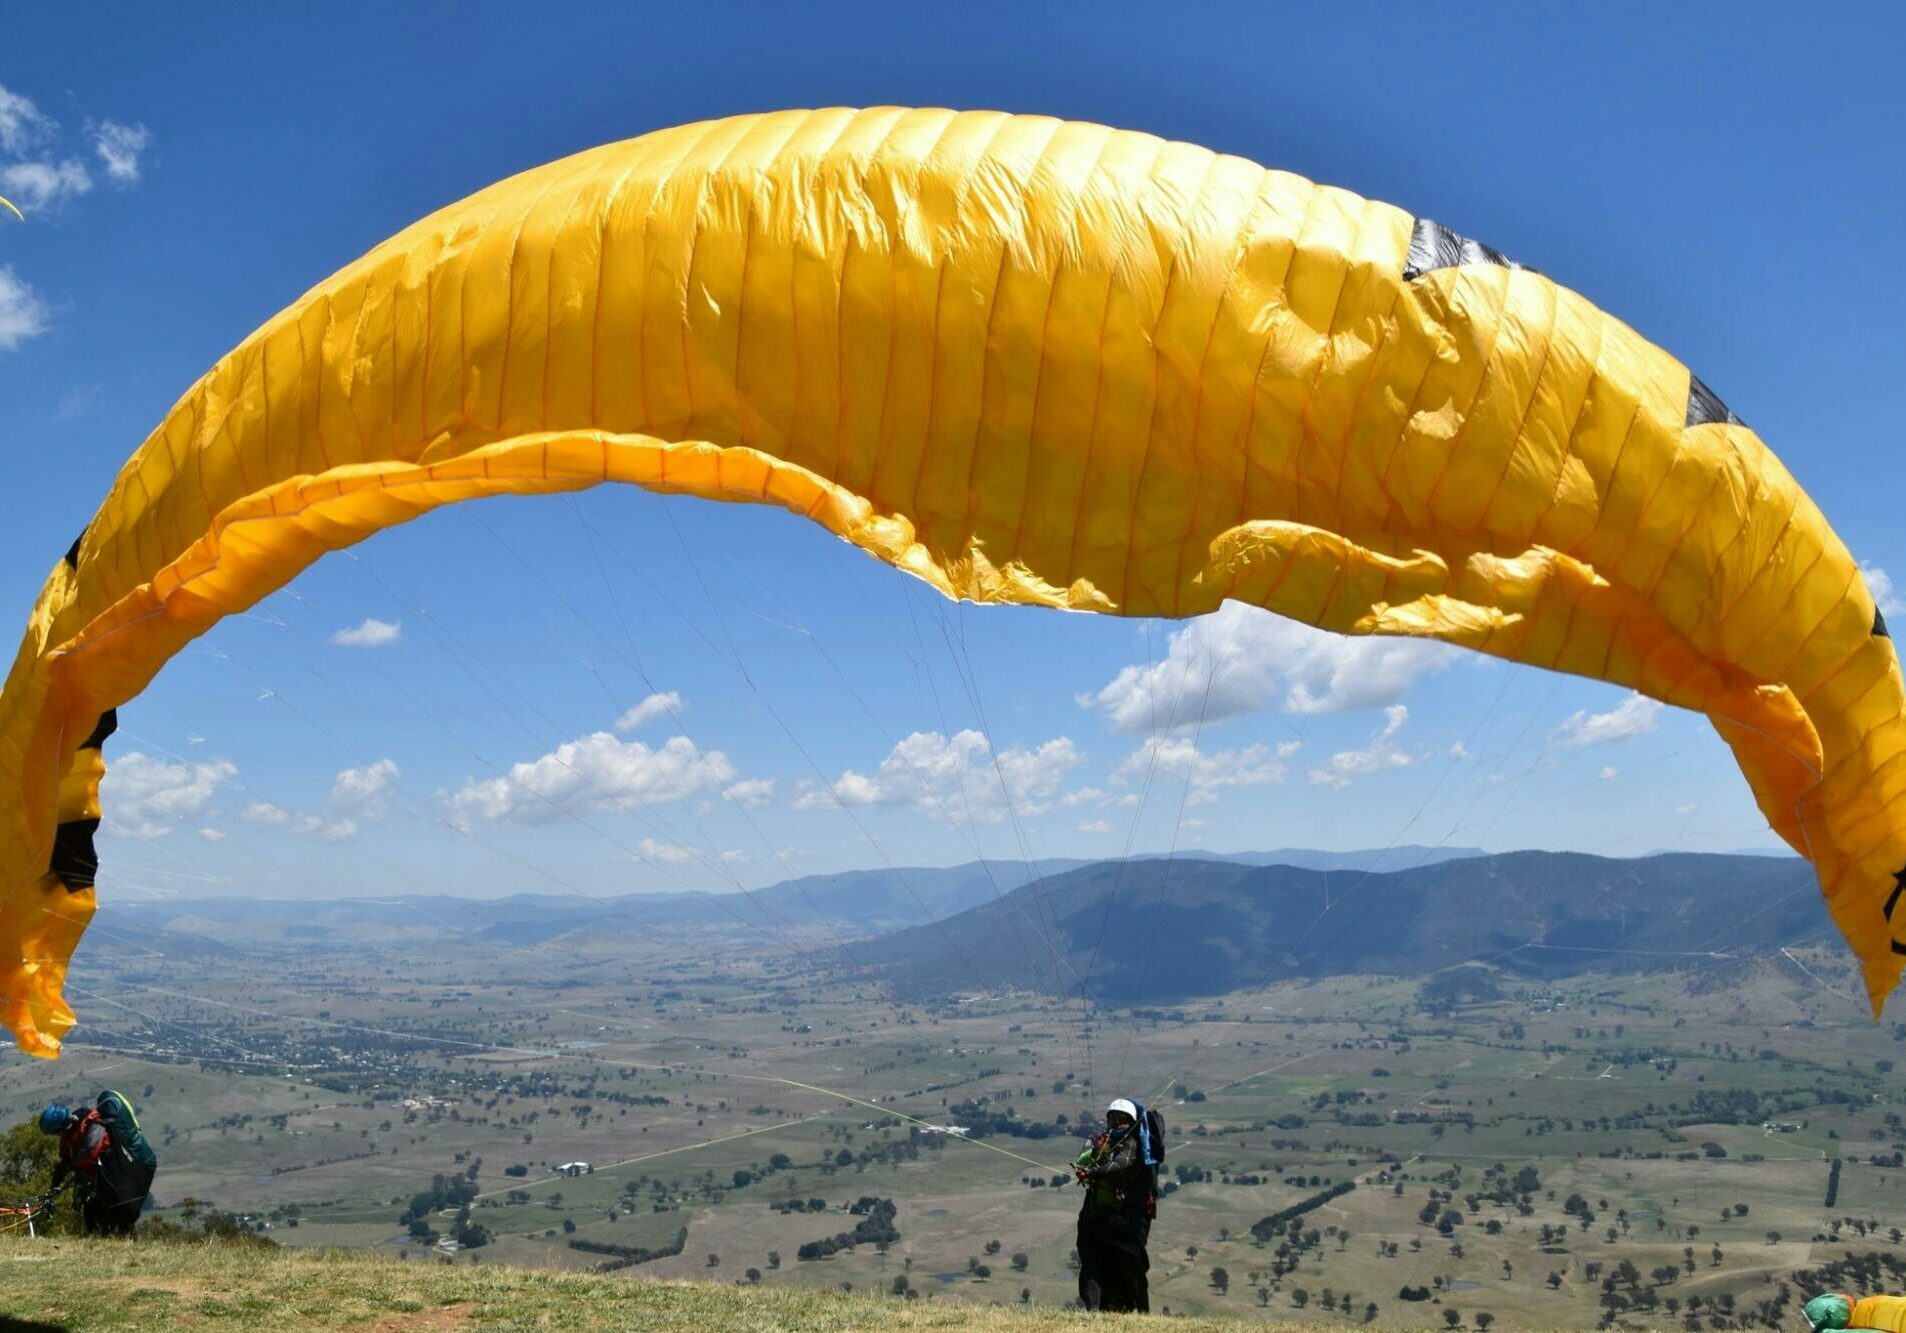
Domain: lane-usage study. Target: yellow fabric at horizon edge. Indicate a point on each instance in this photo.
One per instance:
(1026, 361)
(1886, 1313)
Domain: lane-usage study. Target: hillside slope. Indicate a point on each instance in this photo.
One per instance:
(1151, 931)
(79, 1285)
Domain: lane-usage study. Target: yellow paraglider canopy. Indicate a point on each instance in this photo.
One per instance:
(1026, 361)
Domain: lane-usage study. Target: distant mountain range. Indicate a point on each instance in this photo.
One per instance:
(1148, 931)
(848, 904)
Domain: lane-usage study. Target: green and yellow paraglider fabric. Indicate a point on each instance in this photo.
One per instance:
(9, 206)
(1878, 1314)
(1026, 361)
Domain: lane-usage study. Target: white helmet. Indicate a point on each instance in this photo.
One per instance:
(1130, 1108)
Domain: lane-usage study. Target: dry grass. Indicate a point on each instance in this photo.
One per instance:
(76, 1284)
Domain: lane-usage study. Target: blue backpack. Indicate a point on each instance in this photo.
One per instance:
(1151, 1136)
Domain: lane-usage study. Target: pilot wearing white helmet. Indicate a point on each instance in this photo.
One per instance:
(1121, 1188)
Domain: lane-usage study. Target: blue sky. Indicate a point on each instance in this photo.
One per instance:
(1733, 192)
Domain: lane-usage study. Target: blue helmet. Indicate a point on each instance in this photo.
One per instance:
(55, 1118)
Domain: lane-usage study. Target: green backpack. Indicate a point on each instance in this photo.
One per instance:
(1828, 1310)
(122, 1122)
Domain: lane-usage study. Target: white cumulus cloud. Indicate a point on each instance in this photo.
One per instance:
(1632, 717)
(149, 798)
(1880, 584)
(373, 633)
(956, 779)
(750, 793)
(1254, 660)
(665, 704)
(23, 314)
(358, 796)
(23, 126)
(665, 852)
(37, 185)
(363, 793)
(1208, 773)
(119, 148)
(597, 772)
(1346, 766)
(37, 178)
(1094, 826)
(323, 827)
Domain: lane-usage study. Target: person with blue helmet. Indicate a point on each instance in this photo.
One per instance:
(105, 1178)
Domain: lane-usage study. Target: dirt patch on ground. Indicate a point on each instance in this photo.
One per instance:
(446, 1316)
(133, 1288)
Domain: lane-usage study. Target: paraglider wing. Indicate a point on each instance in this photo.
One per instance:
(8, 204)
(1026, 361)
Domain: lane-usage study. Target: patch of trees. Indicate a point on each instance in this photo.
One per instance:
(876, 1227)
(1833, 1183)
(470, 1235)
(981, 1120)
(1508, 1190)
(1192, 1175)
(1744, 1106)
(627, 1256)
(444, 1192)
(1264, 1228)
(1349, 1097)
(324, 1161)
(1624, 1291)
(548, 1087)
(1438, 1117)
(1863, 1227)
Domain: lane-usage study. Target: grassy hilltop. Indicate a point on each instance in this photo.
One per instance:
(73, 1284)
